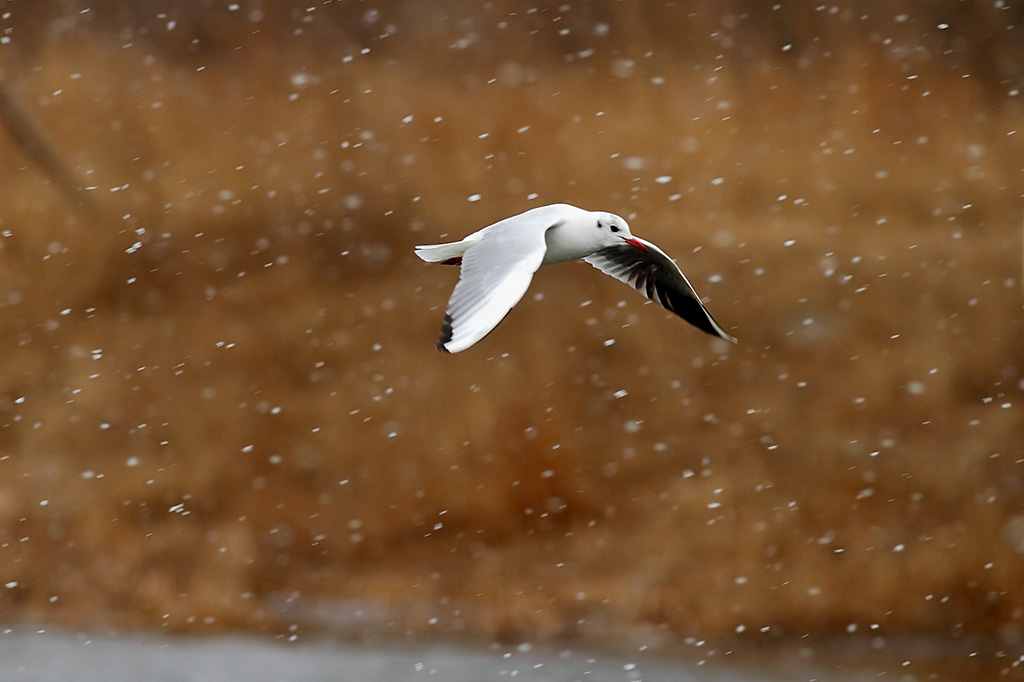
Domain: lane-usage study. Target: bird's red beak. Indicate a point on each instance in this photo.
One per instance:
(633, 241)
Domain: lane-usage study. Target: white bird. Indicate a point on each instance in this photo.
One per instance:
(498, 263)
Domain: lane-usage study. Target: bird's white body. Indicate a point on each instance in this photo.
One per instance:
(563, 241)
(498, 263)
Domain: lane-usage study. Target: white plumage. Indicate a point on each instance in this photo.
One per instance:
(498, 263)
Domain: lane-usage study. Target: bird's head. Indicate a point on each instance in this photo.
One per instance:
(615, 230)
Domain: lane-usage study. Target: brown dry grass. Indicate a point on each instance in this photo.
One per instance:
(219, 400)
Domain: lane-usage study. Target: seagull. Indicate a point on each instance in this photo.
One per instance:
(498, 262)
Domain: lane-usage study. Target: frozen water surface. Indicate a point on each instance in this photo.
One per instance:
(30, 656)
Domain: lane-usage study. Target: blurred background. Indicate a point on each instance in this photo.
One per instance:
(221, 407)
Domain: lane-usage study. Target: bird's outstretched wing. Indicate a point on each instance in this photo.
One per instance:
(649, 270)
(495, 273)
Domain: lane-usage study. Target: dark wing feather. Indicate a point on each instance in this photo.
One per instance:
(657, 277)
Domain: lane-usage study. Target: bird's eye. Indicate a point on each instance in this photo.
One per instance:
(615, 228)
(599, 225)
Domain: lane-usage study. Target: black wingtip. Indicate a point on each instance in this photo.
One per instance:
(691, 309)
(712, 327)
(446, 333)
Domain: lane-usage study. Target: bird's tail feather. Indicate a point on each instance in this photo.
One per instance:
(439, 253)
